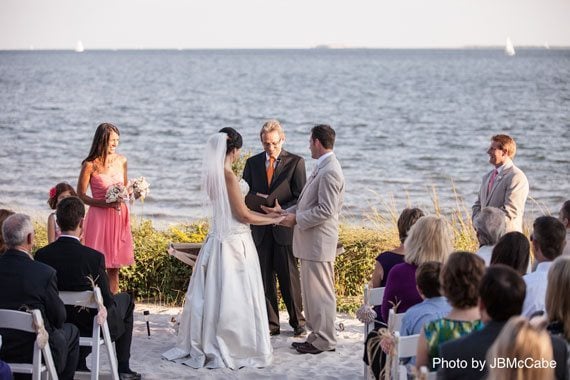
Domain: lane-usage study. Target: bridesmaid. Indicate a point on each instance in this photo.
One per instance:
(107, 226)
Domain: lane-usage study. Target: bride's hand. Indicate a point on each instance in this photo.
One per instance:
(273, 210)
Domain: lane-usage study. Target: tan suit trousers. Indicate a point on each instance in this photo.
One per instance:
(319, 302)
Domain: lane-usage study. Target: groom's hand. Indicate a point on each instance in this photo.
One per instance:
(289, 220)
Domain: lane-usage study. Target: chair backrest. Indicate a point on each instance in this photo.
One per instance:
(17, 320)
(425, 374)
(375, 296)
(395, 319)
(24, 321)
(405, 346)
(86, 298)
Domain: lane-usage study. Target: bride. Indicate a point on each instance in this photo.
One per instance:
(224, 321)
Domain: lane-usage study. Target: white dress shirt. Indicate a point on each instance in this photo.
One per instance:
(485, 252)
(536, 289)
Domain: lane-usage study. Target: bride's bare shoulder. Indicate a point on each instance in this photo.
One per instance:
(229, 175)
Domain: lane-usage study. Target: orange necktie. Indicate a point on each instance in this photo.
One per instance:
(270, 170)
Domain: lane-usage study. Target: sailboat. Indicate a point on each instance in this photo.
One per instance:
(79, 46)
(509, 48)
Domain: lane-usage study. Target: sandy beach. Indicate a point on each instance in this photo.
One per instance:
(344, 363)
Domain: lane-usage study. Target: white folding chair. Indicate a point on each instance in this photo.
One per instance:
(24, 321)
(395, 320)
(425, 374)
(405, 346)
(91, 300)
(372, 297)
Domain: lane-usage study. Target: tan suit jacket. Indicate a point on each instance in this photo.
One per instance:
(317, 213)
(509, 193)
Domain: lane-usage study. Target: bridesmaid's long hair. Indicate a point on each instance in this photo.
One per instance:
(100, 143)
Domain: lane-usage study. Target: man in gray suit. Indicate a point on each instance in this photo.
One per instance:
(315, 219)
(504, 187)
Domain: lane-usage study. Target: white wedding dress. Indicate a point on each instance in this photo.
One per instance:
(224, 321)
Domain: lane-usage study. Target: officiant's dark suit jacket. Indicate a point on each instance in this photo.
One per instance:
(74, 264)
(28, 284)
(288, 181)
(274, 243)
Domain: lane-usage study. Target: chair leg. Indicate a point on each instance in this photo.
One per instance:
(95, 359)
(111, 352)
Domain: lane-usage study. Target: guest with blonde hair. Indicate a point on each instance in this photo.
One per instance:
(430, 239)
(557, 300)
(520, 340)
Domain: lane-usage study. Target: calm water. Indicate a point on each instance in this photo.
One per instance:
(406, 120)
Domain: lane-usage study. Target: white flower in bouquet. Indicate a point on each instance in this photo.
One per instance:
(116, 193)
(139, 187)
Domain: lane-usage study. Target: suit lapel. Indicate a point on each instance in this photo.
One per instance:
(315, 173)
(506, 170)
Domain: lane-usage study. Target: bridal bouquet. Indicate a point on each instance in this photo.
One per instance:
(116, 193)
(139, 187)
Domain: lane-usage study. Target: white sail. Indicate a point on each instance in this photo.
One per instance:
(79, 46)
(509, 48)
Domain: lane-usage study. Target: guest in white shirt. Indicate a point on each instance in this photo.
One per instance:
(548, 239)
(490, 226)
(564, 217)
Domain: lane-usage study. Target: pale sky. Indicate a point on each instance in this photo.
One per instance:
(172, 24)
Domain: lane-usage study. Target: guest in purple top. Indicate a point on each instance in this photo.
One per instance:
(430, 239)
(386, 260)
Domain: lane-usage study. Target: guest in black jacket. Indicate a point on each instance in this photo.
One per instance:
(27, 284)
(76, 264)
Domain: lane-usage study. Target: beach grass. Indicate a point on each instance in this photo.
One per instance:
(162, 279)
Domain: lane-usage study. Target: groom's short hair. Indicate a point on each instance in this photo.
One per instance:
(69, 213)
(325, 134)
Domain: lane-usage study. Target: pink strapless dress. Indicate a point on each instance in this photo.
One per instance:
(106, 229)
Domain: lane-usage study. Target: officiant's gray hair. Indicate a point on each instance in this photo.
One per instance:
(270, 126)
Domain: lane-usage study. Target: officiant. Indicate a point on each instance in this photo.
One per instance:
(276, 175)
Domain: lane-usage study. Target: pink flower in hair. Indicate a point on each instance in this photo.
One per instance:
(52, 192)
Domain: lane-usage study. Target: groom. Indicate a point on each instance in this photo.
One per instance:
(315, 219)
(276, 175)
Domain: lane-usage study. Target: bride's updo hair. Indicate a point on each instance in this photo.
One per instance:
(234, 139)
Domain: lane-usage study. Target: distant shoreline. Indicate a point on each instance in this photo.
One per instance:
(317, 48)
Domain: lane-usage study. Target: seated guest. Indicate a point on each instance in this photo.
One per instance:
(564, 217)
(3, 215)
(386, 260)
(460, 279)
(501, 296)
(28, 284)
(513, 250)
(75, 264)
(489, 225)
(557, 300)
(548, 239)
(5, 371)
(520, 340)
(430, 239)
(433, 306)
